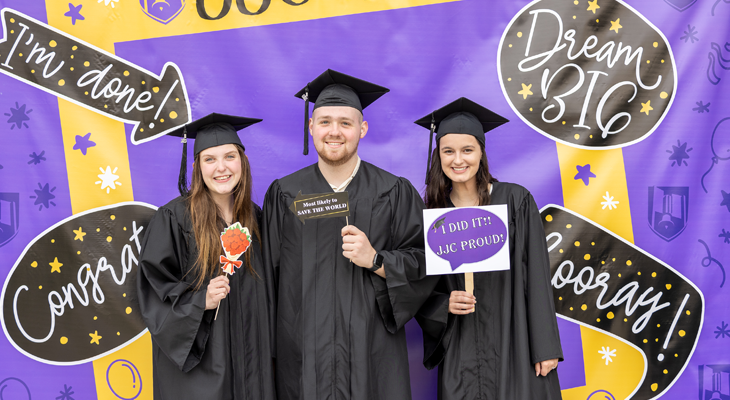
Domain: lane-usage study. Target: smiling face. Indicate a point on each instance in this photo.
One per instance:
(220, 167)
(336, 132)
(460, 156)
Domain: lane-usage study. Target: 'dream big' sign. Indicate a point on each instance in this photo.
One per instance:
(469, 239)
(585, 74)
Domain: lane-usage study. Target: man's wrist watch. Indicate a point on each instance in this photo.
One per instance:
(377, 262)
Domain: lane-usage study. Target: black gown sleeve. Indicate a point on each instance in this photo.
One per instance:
(271, 223)
(406, 286)
(543, 327)
(174, 313)
(436, 323)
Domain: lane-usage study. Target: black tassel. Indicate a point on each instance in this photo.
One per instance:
(430, 146)
(306, 120)
(182, 180)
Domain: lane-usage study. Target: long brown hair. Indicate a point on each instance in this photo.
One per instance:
(438, 185)
(206, 218)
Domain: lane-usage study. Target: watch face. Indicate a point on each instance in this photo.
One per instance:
(378, 260)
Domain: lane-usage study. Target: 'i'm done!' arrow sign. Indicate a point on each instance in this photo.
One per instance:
(69, 68)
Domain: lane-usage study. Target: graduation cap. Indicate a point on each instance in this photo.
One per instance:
(460, 116)
(210, 131)
(334, 88)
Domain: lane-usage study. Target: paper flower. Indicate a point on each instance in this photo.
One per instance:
(236, 240)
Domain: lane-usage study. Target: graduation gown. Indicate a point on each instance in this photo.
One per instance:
(195, 356)
(491, 354)
(339, 326)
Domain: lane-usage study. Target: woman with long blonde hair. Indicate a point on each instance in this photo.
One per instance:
(210, 332)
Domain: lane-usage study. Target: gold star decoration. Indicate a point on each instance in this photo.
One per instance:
(593, 6)
(646, 107)
(55, 265)
(525, 91)
(95, 337)
(615, 26)
(79, 234)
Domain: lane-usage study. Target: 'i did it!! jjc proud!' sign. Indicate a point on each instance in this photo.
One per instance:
(469, 239)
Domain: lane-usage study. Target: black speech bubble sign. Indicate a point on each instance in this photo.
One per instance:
(605, 282)
(587, 74)
(321, 205)
(71, 296)
(65, 66)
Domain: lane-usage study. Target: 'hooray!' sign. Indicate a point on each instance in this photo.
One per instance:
(475, 236)
(71, 296)
(591, 74)
(611, 285)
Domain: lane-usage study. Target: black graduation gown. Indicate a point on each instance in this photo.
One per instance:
(491, 353)
(195, 356)
(339, 326)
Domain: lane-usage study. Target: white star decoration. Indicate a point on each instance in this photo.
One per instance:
(610, 203)
(108, 179)
(107, 2)
(607, 354)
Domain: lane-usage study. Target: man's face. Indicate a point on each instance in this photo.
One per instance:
(336, 132)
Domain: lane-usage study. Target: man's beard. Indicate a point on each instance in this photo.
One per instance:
(339, 161)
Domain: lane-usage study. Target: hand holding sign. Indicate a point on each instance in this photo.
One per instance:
(356, 247)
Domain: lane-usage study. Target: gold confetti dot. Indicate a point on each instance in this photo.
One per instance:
(646, 341)
(658, 325)
(571, 308)
(141, 129)
(574, 17)
(603, 262)
(74, 48)
(12, 20)
(577, 243)
(688, 312)
(654, 387)
(124, 295)
(530, 108)
(40, 287)
(676, 355)
(613, 259)
(173, 114)
(628, 262)
(593, 243)
(72, 68)
(61, 82)
(576, 136)
(53, 240)
(72, 57)
(653, 274)
(587, 257)
(106, 106)
(619, 275)
(662, 61)
(549, 218)
(598, 320)
(113, 217)
(125, 228)
(94, 317)
(52, 43)
(519, 34)
(575, 2)
(86, 64)
(656, 340)
(663, 95)
(510, 45)
(162, 120)
(117, 333)
(126, 73)
(596, 20)
(666, 372)
(12, 31)
(638, 273)
(648, 62)
(64, 340)
(569, 226)
(128, 310)
(591, 136)
(109, 239)
(560, 298)
(78, 252)
(681, 333)
(97, 229)
(178, 99)
(584, 307)
(509, 79)
(626, 320)
(32, 71)
(86, 93)
(669, 286)
(155, 89)
(563, 122)
(143, 82)
(561, 250)
(610, 315)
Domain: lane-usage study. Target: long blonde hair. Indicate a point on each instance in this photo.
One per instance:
(205, 217)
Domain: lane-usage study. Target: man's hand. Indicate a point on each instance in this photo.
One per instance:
(218, 289)
(356, 247)
(544, 367)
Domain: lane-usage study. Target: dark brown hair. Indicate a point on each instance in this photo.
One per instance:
(206, 218)
(438, 185)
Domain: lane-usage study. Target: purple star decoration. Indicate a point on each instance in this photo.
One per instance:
(83, 143)
(75, 13)
(584, 173)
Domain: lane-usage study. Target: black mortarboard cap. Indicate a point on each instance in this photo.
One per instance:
(460, 116)
(210, 131)
(334, 88)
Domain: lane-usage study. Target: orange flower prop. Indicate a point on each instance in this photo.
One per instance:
(236, 240)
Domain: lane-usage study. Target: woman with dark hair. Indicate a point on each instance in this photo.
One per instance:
(210, 332)
(501, 342)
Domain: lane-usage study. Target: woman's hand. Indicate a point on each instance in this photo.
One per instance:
(544, 367)
(218, 289)
(461, 303)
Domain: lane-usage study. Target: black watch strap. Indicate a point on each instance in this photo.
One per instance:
(377, 263)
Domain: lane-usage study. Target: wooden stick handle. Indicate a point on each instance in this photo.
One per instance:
(469, 282)
(219, 303)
